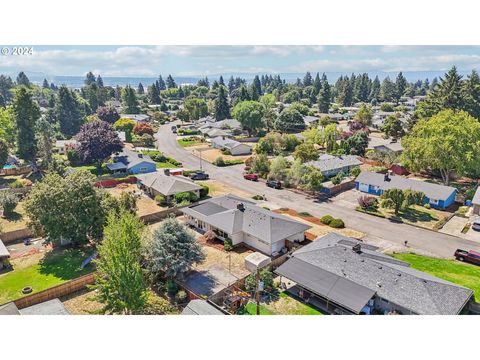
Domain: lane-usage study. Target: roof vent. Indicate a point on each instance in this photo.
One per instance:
(380, 267)
(140, 155)
(241, 207)
(344, 260)
(378, 284)
(357, 248)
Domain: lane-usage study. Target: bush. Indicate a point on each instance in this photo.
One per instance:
(337, 224)
(171, 287)
(257, 197)
(227, 244)
(73, 158)
(160, 199)
(427, 206)
(204, 191)
(355, 171)
(304, 214)
(326, 219)
(18, 184)
(337, 179)
(367, 202)
(265, 275)
(181, 296)
(185, 198)
(219, 162)
(8, 202)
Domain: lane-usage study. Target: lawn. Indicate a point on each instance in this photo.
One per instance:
(92, 169)
(285, 304)
(251, 309)
(463, 274)
(16, 221)
(56, 267)
(163, 165)
(186, 142)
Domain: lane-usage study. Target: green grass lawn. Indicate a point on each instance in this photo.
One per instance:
(463, 274)
(58, 266)
(189, 142)
(92, 168)
(163, 165)
(286, 304)
(251, 309)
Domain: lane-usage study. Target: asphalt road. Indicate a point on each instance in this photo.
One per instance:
(377, 229)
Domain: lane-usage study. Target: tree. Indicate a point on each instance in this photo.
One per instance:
(7, 125)
(125, 125)
(401, 85)
(278, 168)
(300, 107)
(330, 135)
(97, 141)
(447, 142)
(250, 114)
(3, 152)
(387, 90)
(143, 128)
(324, 97)
(364, 115)
(8, 202)
(261, 165)
(108, 114)
(290, 121)
(45, 84)
(196, 107)
(6, 85)
(120, 284)
(307, 79)
(45, 135)
(270, 115)
(68, 112)
(413, 197)
(161, 84)
(130, 101)
(140, 89)
(312, 180)
(374, 96)
(306, 152)
(171, 82)
(393, 199)
(154, 95)
(22, 79)
(172, 250)
(26, 113)
(66, 209)
(357, 143)
(99, 81)
(471, 93)
(222, 110)
(393, 127)
(90, 79)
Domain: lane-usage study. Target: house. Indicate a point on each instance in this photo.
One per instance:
(159, 183)
(345, 276)
(50, 307)
(201, 307)
(310, 120)
(4, 256)
(64, 145)
(136, 117)
(121, 135)
(211, 128)
(391, 148)
(438, 196)
(476, 202)
(331, 165)
(246, 223)
(232, 146)
(132, 162)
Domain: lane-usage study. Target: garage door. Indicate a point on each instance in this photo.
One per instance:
(363, 187)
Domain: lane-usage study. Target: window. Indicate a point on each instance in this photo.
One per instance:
(434, 201)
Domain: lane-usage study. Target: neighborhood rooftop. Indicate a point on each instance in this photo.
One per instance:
(333, 267)
(166, 184)
(432, 191)
(201, 307)
(328, 162)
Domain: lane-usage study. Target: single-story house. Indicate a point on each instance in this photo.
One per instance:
(345, 276)
(331, 165)
(438, 196)
(159, 183)
(227, 127)
(136, 117)
(233, 146)
(132, 162)
(310, 120)
(393, 147)
(201, 307)
(50, 307)
(476, 202)
(4, 256)
(63, 145)
(246, 223)
(213, 132)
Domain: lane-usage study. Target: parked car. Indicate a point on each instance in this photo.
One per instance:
(174, 129)
(476, 224)
(199, 175)
(252, 177)
(471, 256)
(274, 184)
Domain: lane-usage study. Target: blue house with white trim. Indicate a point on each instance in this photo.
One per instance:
(132, 162)
(438, 196)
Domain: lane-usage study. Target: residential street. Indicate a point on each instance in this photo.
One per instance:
(377, 229)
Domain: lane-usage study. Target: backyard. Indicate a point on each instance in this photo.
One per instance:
(145, 205)
(284, 304)
(15, 221)
(43, 271)
(463, 274)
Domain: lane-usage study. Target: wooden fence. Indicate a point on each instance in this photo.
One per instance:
(108, 183)
(21, 191)
(15, 171)
(66, 288)
(160, 215)
(12, 236)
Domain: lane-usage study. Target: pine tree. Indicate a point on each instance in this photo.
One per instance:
(22, 79)
(171, 82)
(222, 110)
(387, 90)
(307, 79)
(68, 112)
(400, 86)
(220, 81)
(26, 113)
(374, 96)
(471, 94)
(317, 84)
(90, 78)
(129, 100)
(99, 81)
(161, 84)
(140, 89)
(324, 97)
(153, 95)
(6, 84)
(231, 84)
(45, 84)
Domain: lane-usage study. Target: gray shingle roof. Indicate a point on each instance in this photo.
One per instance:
(167, 185)
(395, 147)
(476, 197)
(222, 213)
(51, 307)
(132, 158)
(201, 307)
(394, 281)
(432, 191)
(329, 162)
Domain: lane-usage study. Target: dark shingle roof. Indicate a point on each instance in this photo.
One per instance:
(329, 162)
(201, 307)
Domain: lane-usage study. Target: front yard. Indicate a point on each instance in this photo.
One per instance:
(210, 154)
(42, 271)
(463, 274)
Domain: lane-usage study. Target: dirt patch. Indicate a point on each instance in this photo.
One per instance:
(16, 221)
(217, 188)
(27, 260)
(145, 205)
(82, 303)
(210, 154)
(234, 261)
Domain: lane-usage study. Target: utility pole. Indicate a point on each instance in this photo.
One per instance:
(200, 152)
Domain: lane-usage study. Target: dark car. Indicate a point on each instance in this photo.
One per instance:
(174, 129)
(471, 256)
(199, 176)
(274, 184)
(252, 177)
(476, 225)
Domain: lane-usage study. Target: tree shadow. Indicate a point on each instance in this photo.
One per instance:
(65, 263)
(14, 216)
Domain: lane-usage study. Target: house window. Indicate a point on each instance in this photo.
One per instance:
(434, 201)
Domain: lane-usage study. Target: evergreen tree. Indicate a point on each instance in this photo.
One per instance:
(387, 90)
(161, 84)
(130, 101)
(231, 84)
(45, 136)
(6, 84)
(220, 81)
(255, 89)
(317, 84)
(99, 81)
(222, 111)
(68, 112)
(45, 84)
(324, 97)
(374, 96)
(153, 95)
(26, 113)
(140, 89)
(90, 78)
(307, 79)
(471, 94)
(22, 79)
(171, 82)
(400, 86)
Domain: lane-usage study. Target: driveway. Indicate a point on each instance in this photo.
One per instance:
(377, 229)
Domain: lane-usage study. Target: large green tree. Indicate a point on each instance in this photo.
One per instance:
(196, 107)
(68, 112)
(448, 142)
(250, 114)
(290, 121)
(222, 110)
(120, 284)
(392, 127)
(7, 125)
(130, 101)
(26, 113)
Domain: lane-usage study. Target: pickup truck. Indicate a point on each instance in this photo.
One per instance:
(471, 256)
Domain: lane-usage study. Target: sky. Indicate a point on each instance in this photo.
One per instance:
(125, 61)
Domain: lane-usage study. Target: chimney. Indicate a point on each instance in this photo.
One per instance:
(386, 177)
(166, 172)
(357, 248)
(140, 155)
(241, 207)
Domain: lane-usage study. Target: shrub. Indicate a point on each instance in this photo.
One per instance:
(204, 191)
(181, 296)
(326, 219)
(337, 179)
(160, 199)
(355, 171)
(337, 224)
(182, 197)
(193, 197)
(304, 214)
(427, 206)
(367, 202)
(73, 157)
(8, 202)
(257, 197)
(227, 244)
(17, 184)
(219, 162)
(265, 275)
(171, 287)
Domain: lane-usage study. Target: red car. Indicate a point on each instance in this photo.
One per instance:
(252, 177)
(471, 256)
